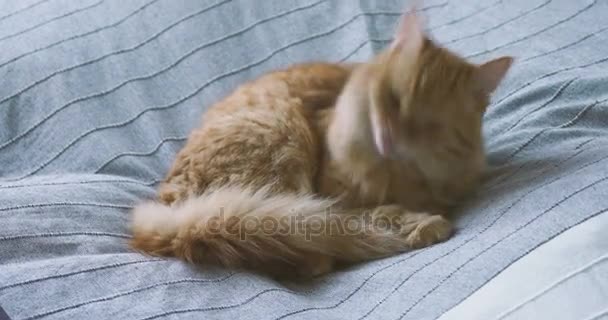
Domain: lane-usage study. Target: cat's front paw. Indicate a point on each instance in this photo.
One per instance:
(428, 230)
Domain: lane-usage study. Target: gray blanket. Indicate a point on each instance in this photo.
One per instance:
(97, 96)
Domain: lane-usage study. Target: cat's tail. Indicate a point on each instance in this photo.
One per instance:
(236, 227)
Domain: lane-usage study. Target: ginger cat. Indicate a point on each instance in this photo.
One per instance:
(325, 163)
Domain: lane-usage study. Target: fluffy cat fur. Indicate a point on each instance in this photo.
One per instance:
(396, 138)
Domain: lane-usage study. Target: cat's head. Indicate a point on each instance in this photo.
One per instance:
(426, 98)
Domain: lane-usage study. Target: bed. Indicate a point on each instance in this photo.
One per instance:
(97, 96)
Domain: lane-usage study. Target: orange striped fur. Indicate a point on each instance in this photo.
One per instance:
(325, 163)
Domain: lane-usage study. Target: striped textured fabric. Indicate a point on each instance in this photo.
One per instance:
(97, 96)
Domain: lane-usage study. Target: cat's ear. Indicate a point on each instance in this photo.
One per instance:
(410, 35)
(489, 75)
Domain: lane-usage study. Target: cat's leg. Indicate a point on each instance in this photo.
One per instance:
(359, 234)
(418, 229)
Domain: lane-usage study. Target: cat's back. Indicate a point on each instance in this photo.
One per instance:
(314, 85)
(261, 134)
